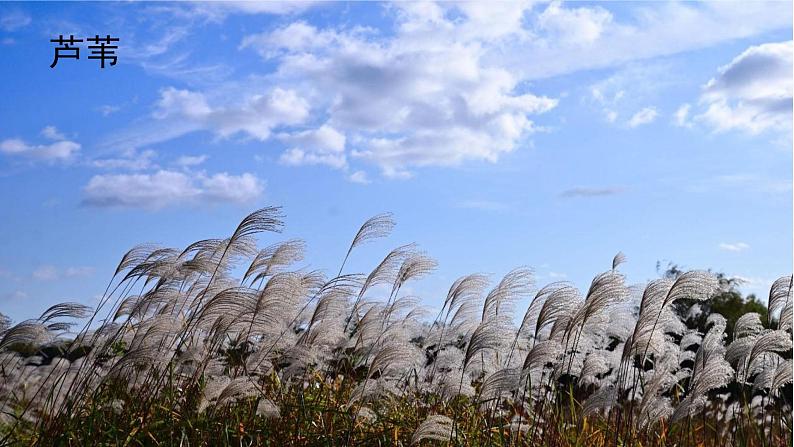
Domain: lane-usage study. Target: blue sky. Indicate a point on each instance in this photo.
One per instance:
(551, 135)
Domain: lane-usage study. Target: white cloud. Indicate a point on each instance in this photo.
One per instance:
(254, 115)
(607, 95)
(52, 133)
(359, 177)
(575, 26)
(181, 103)
(324, 145)
(592, 192)
(45, 273)
(230, 188)
(14, 20)
(631, 88)
(753, 93)
(187, 161)
(323, 138)
(415, 98)
(191, 160)
(107, 109)
(140, 190)
(297, 36)
(226, 111)
(165, 188)
(734, 247)
(217, 11)
(644, 116)
(447, 83)
(681, 116)
(16, 295)
(299, 157)
(131, 160)
(77, 272)
(438, 92)
(51, 273)
(164, 51)
(644, 31)
(62, 150)
(488, 21)
(761, 71)
(406, 100)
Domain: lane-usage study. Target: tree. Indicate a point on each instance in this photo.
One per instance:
(728, 302)
(5, 322)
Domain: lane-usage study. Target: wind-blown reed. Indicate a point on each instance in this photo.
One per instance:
(223, 342)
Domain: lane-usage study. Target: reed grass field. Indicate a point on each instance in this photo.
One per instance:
(225, 342)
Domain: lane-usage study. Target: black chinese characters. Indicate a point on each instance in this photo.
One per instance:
(103, 49)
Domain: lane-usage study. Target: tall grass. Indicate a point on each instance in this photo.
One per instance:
(181, 352)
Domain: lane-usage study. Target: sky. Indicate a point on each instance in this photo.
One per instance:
(548, 135)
